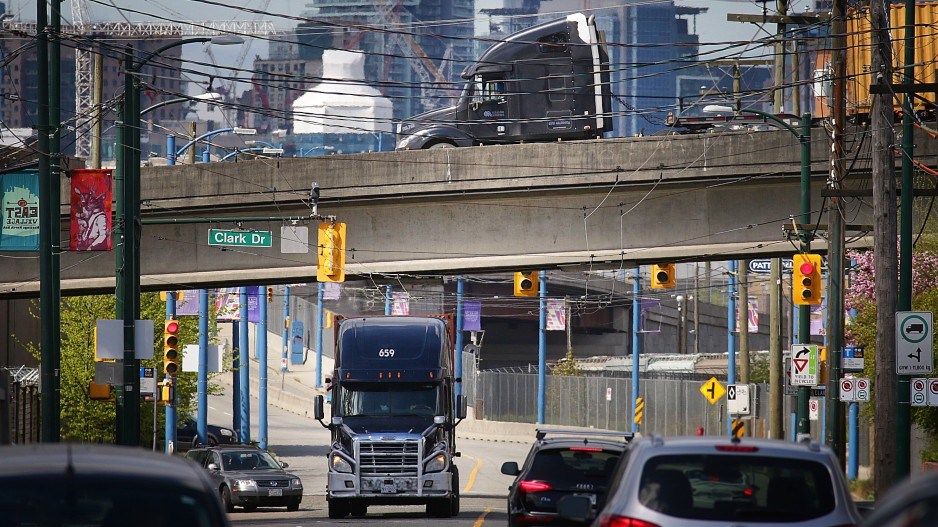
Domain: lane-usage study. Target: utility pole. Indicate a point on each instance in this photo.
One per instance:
(55, 217)
(781, 6)
(835, 260)
(744, 321)
(97, 121)
(885, 257)
(696, 309)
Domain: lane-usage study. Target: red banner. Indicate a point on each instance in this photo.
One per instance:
(91, 199)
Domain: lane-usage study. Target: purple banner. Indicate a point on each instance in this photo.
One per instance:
(189, 305)
(645, 305)
(254, 299)
(472, 316)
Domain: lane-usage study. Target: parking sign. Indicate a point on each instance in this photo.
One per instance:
(918, 387)
(848, 391)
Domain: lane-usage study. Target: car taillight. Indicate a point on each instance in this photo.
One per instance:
(611, 520)
(534, 486)
(737, 448)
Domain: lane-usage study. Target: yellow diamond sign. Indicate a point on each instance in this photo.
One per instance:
(712, 390)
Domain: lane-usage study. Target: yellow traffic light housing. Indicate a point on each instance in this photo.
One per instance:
(662, 276)
(806, 279)
(171, 347)
(270, 295)
(526, 283)
(330, 265)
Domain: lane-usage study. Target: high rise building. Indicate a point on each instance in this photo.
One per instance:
(411, 45)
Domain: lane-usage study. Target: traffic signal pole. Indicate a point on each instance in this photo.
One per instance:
(244, 371)
(202, 383)
(170, 432)
(804, 312)
(542, 349)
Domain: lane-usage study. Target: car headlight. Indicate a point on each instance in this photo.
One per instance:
(226, 432)
(296, 483)
(245, 484)
(436, 463)
(340, 464)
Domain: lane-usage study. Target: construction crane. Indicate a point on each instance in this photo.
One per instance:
(84, 72)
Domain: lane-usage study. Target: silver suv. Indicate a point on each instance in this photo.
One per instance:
(710, 481)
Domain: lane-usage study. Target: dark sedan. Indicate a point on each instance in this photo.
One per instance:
(249, 477)
(187, 435)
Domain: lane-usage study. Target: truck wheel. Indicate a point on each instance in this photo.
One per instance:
(338, 509)
(359, 509)
(454, 501)
(441, 508)
(441, 145)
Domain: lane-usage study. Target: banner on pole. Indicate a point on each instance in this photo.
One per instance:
(400, 303)
(645, 305)
(472, 316)
(331, 290)
(19, 230)
(753, 315)
(227, 304)
(556, 315)
(91, 197)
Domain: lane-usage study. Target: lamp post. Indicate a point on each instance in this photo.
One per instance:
(128, 230)
(803, 133)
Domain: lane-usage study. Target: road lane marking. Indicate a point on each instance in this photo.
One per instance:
(472, 475)
(481, 519)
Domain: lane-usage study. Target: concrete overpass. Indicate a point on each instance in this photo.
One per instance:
(573, 205)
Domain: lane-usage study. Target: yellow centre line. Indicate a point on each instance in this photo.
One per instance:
(481, 519)
(472, 475)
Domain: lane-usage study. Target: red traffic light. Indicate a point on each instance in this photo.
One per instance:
(807, 268)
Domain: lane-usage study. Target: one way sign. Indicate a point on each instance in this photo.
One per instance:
(804, 365)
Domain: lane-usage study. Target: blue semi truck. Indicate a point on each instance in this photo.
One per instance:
(393, 415)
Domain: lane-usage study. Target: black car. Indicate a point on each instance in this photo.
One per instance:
(187, 434)
(249, 477)
(103, 486)
(562, 463)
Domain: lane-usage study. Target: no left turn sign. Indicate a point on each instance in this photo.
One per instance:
(847, 391)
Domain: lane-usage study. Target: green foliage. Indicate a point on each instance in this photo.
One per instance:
(759, 368)
(568, 366)
(88, 421)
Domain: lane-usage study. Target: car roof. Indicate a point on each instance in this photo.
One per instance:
(92, 460)
(570, 443)
(762, 446)
(228, 447)
(548, 437)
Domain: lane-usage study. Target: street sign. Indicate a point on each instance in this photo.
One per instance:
(147, 382)
(918, 387)
(914, 342)
(737, 399)
(848, 392)
(236, 238)
(932, 392)
(863, 390)
(608, 394)
(764, 265)
(814, 409)
(804, 365)
(712, 390)
(852, 359)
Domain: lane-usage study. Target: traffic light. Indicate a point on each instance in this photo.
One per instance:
(330, 266)
(806, 279)
(526, 283)
(662, 276)
(171, 347)
(270, 295)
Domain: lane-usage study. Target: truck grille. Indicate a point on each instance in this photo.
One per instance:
(389, 458)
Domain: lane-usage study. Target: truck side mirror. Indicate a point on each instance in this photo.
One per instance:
(461, 406)
(318, 412)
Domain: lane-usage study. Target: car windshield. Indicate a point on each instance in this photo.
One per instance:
(389, 399)
(248, 460)
(577, 464)
(736, 488)
(100, 502)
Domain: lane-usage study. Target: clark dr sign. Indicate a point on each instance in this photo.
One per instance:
(239, 238)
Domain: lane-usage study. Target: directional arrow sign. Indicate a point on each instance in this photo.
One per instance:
(914, 342)
(804, 365)
(712, 390)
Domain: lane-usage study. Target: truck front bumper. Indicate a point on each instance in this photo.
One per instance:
(434, 485)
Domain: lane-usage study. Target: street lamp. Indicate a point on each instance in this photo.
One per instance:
(804, 312)
(128, 232)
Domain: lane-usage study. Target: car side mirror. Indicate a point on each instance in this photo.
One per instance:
(461, 406)
(575, 508)
(212, 466)
(284, 464)
(510, 468)
(318, 412)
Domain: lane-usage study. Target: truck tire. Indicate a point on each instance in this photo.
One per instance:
(454, 501)
(359, 509)
(338, 509)
(440, 508)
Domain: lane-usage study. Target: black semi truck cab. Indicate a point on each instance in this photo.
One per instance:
(393, 416)
(545, 83)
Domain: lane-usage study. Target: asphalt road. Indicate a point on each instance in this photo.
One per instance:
(303, 444)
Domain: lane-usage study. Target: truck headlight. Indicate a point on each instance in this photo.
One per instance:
(340, 464)
(436, 464)
(245, 484)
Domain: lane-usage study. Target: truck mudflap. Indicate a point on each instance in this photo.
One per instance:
(435, 485)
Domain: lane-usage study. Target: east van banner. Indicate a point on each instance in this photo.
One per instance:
(91, 196)
(19, 230)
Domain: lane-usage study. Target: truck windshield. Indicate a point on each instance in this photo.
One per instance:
(368, 400)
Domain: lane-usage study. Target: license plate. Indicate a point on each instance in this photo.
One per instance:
(592, 498)
(388, 488)
(276, 492)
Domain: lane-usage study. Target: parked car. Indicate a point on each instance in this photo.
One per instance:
(60, 484)
(248, 477)
(710, 481)
(561, 463)
(187, 434)
(913, 503)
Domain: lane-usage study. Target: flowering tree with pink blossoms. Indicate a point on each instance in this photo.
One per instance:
(860, 299)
